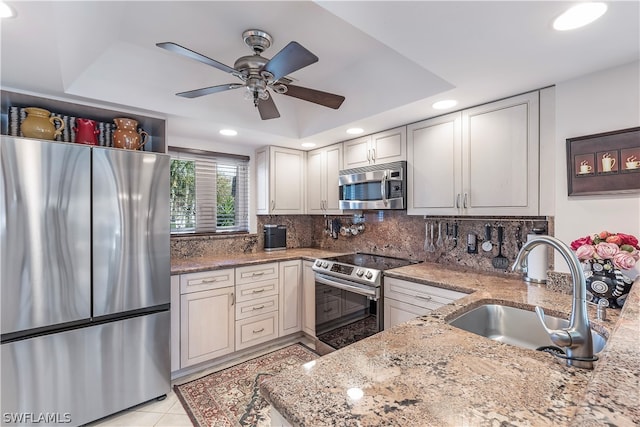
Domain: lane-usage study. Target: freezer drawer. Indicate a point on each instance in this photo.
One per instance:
(45, 225)
(78, 376)
(131, 266)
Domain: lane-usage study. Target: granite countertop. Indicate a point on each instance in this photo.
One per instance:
(427, 373)
(205, 263)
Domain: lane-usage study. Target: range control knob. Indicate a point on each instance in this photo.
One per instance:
(359, 273)
(369, 275)
(318, 263)
(325, 264)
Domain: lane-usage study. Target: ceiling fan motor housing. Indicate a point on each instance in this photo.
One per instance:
(257, 40)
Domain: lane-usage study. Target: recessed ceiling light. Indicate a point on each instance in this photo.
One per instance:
(228, 132)
(443, 105)
(579, 16)
(355, 131)
(308, 144)
(5, 10)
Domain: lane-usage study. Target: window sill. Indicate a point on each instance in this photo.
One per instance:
(218, 235)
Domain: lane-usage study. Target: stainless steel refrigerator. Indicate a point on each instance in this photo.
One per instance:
(85, 281)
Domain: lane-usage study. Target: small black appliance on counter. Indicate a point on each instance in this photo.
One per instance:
(275, 237)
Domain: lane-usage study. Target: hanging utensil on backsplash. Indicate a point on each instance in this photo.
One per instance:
(440, 242)
(487, 245)
(455, 234)
(500, 261)
(426, 237)
(519, 237)
(432, 247)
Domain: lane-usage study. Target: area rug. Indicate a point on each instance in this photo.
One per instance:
(231, 396)
(348, 334)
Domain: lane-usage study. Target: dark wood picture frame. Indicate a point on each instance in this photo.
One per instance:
(604, 163)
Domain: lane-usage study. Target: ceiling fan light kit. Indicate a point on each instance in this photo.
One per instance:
(260, 74)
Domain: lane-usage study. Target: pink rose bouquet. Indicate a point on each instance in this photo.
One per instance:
(621, 249)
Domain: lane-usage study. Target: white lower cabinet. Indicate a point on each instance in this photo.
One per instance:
(290, 297)
(175, 323)
(206, 321)
(214, 313)
(404, 300)
(308, 298)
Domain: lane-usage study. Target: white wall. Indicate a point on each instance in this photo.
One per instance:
(604, 101)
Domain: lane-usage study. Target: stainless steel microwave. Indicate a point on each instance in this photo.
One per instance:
(374, 187)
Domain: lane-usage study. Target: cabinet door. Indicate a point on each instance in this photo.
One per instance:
(389, 146)
(287, 181)
(316, 181)
(280, 181)
(500, 157)
(206, 325)
(290, 297)
(262, 181)
(356, 152)
(396, 312)
(333, 165)
(175, 323)
(434, 166)
(309, 299)
(323, 171)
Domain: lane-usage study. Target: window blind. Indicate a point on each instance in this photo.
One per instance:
(209, 192)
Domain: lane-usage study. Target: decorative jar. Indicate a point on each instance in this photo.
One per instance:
(127, 135)
(606, 285)
(39, 124)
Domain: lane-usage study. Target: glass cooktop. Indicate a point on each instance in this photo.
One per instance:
(371, 261)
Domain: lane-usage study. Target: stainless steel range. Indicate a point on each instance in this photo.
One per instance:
(349, 296)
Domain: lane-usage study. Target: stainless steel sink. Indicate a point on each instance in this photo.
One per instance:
(515, 326)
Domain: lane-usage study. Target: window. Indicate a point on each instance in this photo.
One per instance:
(209, 191)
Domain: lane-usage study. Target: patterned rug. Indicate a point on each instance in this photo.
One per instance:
(348, 334)
(231, 397)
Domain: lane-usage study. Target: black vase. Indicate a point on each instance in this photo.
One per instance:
(606, 285)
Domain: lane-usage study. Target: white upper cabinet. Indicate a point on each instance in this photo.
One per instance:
(384, 147)
(280, 181)
(434, 168)
(323, 169)
(481, 161)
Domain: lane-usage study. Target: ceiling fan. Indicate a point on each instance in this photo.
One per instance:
(258, 74)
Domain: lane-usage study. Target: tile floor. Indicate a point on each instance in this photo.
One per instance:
(170, 412)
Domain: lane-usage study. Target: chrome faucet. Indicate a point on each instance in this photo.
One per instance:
(576, 339)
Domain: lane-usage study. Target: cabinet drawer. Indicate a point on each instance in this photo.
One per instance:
(255, 290)
(418, 294)
(206, 280)
(256, 330)
(252, 273)
(256, 307)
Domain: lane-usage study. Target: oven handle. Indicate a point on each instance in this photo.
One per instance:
(337, 283)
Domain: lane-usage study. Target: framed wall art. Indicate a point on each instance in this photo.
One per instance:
(605, 163)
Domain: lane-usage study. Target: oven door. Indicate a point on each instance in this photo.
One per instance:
(346, 311)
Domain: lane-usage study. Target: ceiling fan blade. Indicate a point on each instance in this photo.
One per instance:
(209, 90)
(291, 58)
(181, 50)
(316, 96)
(268, 109)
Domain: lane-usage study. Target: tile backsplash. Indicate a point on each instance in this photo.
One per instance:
(392, 233)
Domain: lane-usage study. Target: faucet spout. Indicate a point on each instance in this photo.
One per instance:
(576, 339)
